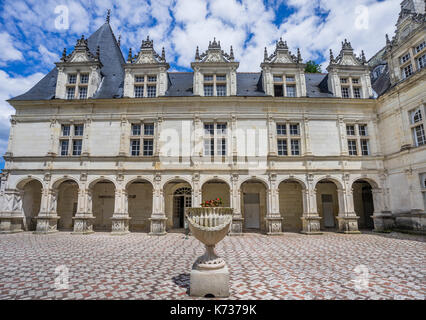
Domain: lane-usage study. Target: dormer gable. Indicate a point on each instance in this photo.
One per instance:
(79, 73)
(349, 75)
(215, 71)
(283, 74)
(146, 72)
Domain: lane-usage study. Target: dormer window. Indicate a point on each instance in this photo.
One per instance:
(208, 78)
(355, 80)
(70, 93)
(77, 86)
(145, 86)
(215, 85)
(289, 79)
(72, 79)
(351, 87)
(343, 80)
(420, 47)
(284, 84)
(345, 92)
(84, 78)
(208, 90)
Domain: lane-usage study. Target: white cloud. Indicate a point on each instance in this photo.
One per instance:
(49, 58)
(8, 50)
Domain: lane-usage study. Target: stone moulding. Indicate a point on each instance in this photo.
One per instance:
(83, 224)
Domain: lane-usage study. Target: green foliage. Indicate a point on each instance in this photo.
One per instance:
(312, 67)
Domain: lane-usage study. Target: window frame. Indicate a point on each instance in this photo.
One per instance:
(72, 136)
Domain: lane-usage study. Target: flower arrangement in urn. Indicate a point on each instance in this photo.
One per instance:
(212, 203)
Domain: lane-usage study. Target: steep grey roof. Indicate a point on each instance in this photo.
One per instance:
(317, 85)
(112, 70)
(180, 84)
(249, 84)
(382, 83)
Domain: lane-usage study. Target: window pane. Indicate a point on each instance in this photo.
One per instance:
(66, 130)
(281, 129)
(352, 147)
(421, 62)
(64, 147)
(152, 78)
(209, 128)
(221, 128)
(208, 78)
(416, 116)
(365, 148)
(221, 77)
(363, 130)
(357, 93)
(78, 129)
(345, 92)
(405, 58)
(420, 47)
(291, 91)
(139, 78)
(72, 78)
(135, 146)
(208, 91)
(209, 147)
(350, 130)
(221, 90)
(407, 71)
(295, 147)
(419, 135)
(84, 78)
(136, 129)
(76, 147)
(138, 91)
(148, 147)
(355, 80)
(152, 91)
(289, 79)
(278, 91)
(294, 129)
(282, 147)
(343, 80)
(278, 78)
(149, 129)
(70, 93)
(221, 147)
(82, 92)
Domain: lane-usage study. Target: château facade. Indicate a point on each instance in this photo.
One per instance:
(102, 143)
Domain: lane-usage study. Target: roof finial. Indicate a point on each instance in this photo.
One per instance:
(387, 39)
(119, 40)
(64, 54)
(231, 55)
(98, 52)
(299, 56)
(130, 56)
(364, 60)
(265, 55)
(163, 54)
(331, 56)
(197, 54)
(108, 17)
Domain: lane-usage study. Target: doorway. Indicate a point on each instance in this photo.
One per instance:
(252, 210)
(327, 209)
(182, 199)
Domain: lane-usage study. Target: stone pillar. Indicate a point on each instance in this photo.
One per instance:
(120, 218)
(158, 218)
(237, 218)
(383, 220)
(347, 218)
(273, 216)
(196, 191)
(83, 220)
(310, 218)
(47, 219)
(11, 214)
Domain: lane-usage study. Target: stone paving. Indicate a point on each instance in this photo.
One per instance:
(138, 266)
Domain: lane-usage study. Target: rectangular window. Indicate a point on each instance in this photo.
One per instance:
(278, 91)
(278, 78)
(221, 90)
(357, 93)
(407, 71)
(78, 129)
(294, 129)
(221, 128)
(139, 79)
(420, 47)
(282, 147)
(64, 147)
(136, 129)
(365, 150)
(352, 147)
(419, 135)
(421, 62)
(72, 78)
(289, 79)
(70, 93)
(138, 91)
(343, 80)
(291, 91)
(152, 78)
(66, 130)
(76, 147)
(208, 90)
(281, 129)
(405, 58)
(149, 129)
(209, 147)
(355, 80)
(221, 77)
(82, 92)
(84, 78)
(209, 129)
(345, 92)
(295, 147)
(208, 78)
(416, 116)
(148, 147)
(135, 146)
(362, 128)
(350, 130)
(152, 91)
(221, 147)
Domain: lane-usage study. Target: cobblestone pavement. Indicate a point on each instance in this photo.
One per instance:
(138, 266)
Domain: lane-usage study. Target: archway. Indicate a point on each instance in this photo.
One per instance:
(67, 204)
(31, 204)
(291, 205)
(363, 203)
(214, 189)
(103, 202)
(253, 204)
(327, 203)
(177, 197)
(139, 194)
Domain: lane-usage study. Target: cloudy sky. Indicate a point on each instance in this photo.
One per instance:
(33, 33)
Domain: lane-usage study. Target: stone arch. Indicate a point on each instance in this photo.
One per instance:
(327, 194)
(339, 183)
(103, 203)
(254, 194)
(23, 181)
(362, 191)
(216, 187)
(290, 193)
(67, 201)
(31, 189)
(136, 179)
(254, 179)
(175, 204)
(175, 179)
(140, 200)
(294, 179)
(371, 181)
(58, 181)
(92, 183)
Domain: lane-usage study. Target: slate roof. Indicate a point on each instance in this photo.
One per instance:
(180, 83)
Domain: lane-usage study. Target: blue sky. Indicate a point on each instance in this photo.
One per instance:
(33, 33)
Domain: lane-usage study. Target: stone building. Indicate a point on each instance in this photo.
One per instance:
(104, 143)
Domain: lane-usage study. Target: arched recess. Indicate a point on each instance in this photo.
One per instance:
(103, 202)
(216, 188)
(67, 200)
(139, 193)
(327, 203)
(363, 203)
(291, 205)
(253, 204)
(31, 201)
(177, 197)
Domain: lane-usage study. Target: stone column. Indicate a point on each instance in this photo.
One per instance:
(237, 218)
(347, 218)
(310, 218)
(47, 219)
(11, 213)
(158, 218)
(120, 218)
(196, 191)
(383, 220)
(83, 220)
(273, 216)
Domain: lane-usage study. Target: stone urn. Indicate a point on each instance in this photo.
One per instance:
(209, 274)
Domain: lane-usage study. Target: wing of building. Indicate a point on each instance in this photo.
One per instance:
(104, 143)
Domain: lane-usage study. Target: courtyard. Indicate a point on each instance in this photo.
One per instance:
(139, 266)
